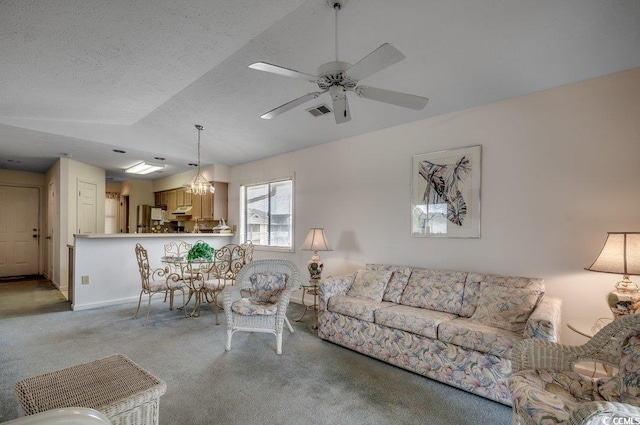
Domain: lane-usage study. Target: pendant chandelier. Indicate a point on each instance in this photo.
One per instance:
(199, 185)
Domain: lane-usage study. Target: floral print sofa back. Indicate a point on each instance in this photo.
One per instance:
(455, 327)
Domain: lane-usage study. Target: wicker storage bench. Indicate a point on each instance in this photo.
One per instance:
(120, 389)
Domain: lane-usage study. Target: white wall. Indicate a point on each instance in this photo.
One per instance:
(140, 192)
(559, 170)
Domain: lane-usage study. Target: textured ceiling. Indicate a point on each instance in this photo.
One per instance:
(84, 77)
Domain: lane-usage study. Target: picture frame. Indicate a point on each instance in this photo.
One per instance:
(445, 193)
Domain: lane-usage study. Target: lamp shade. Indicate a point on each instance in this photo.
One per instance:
(620, 254)
(316, 241)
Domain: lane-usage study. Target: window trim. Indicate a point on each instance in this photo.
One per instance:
(243, 207)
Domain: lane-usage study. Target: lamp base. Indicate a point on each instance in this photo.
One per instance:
(625, 299)
(315, 266)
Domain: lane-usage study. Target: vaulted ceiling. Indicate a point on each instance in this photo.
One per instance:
(81, 78)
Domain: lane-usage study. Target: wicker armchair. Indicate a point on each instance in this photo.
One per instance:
(545, 388)
(270, 283)
(156, 281)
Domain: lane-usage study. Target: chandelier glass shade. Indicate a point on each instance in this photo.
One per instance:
(199, 185)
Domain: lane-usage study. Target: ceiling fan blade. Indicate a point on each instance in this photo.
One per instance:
(290, 105)
(275, 69)
(340, 104)
(384, 56)
(393, 97)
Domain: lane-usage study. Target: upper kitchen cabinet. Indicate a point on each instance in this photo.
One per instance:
(172, 203)
(212, 206)
(206, 207)
(183, 198)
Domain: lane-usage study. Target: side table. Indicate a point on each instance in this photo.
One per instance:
(312, 289)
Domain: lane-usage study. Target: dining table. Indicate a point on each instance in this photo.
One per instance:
(194, 273)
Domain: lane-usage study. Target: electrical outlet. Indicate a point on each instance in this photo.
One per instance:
(85, 280)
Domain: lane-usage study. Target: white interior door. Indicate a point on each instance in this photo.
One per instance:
(19, 238)
(87, 209)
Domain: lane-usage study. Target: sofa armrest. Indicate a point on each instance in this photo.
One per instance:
(596, 413)
(333, 286)
(544, 322)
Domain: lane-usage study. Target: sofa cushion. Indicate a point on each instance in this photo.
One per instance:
(467, 333)
(397, 283)
(357, 307)
(438, 290)
(412, 319)
(369, 284)
(505, 308)
(472, 288)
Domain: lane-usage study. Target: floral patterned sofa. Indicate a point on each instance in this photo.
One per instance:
(455, 327)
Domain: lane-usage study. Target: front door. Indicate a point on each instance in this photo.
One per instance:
(19, 236)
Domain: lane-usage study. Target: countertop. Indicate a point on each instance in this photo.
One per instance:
(152, 235)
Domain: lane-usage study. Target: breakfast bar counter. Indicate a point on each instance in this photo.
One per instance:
(105, 271)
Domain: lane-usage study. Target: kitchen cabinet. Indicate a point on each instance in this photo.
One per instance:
(171, 204)
(212, 206)
(164, 198)
(180, 197)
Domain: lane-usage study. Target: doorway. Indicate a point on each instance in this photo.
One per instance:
(19, 231)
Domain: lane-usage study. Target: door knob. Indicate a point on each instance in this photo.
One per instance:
(35, 236)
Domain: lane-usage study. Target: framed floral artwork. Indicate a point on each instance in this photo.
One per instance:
(445, 193)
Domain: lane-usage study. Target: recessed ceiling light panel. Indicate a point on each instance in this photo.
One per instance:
(144, 168)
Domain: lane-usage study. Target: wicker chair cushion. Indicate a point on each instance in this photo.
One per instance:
(505, 308)
(370, 284)
(630, 370)
(249, 307)
(267, 286)
(549, 397)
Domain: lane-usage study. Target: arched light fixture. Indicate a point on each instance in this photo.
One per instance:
(199, 185)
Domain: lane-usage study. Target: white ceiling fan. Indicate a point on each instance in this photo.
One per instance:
(339, 77)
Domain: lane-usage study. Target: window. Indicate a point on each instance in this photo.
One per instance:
(267, 214)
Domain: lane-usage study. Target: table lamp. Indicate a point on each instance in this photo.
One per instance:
(621, 255)
(316, 241)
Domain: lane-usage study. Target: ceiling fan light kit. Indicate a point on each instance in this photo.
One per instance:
(338, 78)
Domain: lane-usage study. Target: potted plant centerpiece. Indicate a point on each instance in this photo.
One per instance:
(201, 251)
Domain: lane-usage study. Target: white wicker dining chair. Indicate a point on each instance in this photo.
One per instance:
(545, 388)
(270, 283)
(156, 281)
